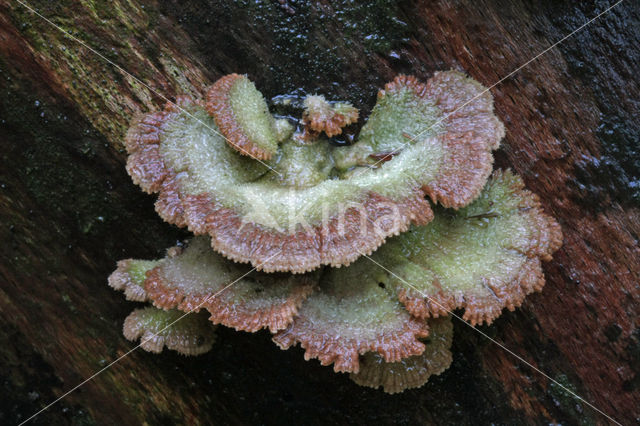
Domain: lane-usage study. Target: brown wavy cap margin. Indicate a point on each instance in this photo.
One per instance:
(337, 243)
(331, 122)
(300, 252)
(345, 354)
(219, 106)
(472, 131)
(145, 164)
(546, 240)
(232, 315)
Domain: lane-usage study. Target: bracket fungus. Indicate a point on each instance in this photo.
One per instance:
(130, 277)
(309, 208)
(483, 258)
(195, 277)
(351, 314)
(294, 211)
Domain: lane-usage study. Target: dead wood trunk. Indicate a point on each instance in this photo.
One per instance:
(68, 210)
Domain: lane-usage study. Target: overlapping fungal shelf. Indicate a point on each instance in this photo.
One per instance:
(357, 253)
(199, 161)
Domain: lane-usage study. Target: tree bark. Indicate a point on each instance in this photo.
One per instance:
(68, 211)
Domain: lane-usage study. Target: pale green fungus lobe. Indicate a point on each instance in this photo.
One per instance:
(482, 258)
(284, 129)
(242, 115)
(412, 372)
(235, 296)
(303, 164)
(129, 278)
(188, 334)
(322, 208)
(401, 113)
(438, 136)
(352, 314)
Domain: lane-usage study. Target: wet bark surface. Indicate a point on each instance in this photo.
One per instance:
(68, 211)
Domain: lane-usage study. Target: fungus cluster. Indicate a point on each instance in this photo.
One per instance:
(358, 253)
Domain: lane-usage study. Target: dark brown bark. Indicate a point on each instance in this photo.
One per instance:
(68, 211)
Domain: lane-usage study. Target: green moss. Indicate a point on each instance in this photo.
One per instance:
(63, 168)
(138, 269)
(567, 402)
(120, 31)
(67, 301)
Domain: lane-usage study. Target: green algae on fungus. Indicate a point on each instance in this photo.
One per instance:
(326, 212)
(187, 334)
(412, 372)
(456, 109)
(129, 278)
(482, 258)
(385, 318)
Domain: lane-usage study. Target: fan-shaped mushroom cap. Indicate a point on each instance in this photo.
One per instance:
(449, 120)
(189, 334)
(321, 116)
(316, 212)
(412, 372)
(242, 115)
(352, 314)
(233, 294)
(482, 258)
(129, 277)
